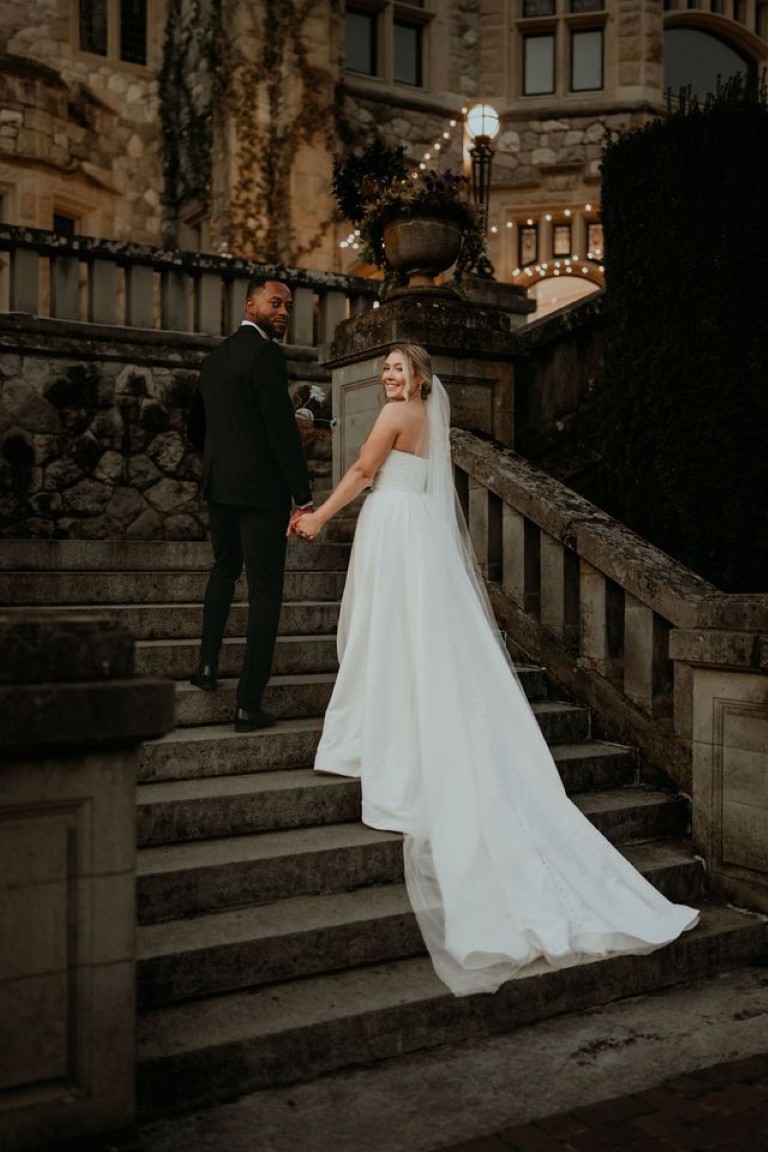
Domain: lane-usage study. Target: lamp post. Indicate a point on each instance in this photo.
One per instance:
(482, 126)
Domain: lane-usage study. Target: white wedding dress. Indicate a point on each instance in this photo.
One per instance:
(501, 867)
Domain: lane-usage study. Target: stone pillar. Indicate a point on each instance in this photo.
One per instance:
(174, 300)
(208, 302)
(139, 285)
(65, 288)
(71, 717)
(333, 311)
(594, 617)
(102, 292)
(728, 675)
(25, 280)
(302, 329)
(471, 349)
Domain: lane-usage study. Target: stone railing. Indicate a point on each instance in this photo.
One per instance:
(111, 282)
(666, 661)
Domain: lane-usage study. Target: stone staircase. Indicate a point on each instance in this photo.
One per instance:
(275, 939)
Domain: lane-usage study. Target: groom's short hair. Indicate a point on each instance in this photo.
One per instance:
(262, 278)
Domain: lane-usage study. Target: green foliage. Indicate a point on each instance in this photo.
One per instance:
(298, 112)
(686, 373)
(194, 44)
(210, 89)
(376, 184)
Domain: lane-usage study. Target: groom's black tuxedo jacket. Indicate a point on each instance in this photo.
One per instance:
(243, 421)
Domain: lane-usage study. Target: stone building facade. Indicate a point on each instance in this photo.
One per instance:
(212, 125)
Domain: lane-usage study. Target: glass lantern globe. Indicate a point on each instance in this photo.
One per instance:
(482, 120)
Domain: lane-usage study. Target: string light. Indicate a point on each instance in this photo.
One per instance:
(541, 270)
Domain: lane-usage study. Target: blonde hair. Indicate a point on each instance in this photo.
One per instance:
(418, 363)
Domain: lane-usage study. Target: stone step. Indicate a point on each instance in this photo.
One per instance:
(213, 750)
(177, 880)
(186, 879)
(97, 590)
(290, 796)
(184, 621)
(294, 655)
(287, 696)
(561, 723)
(149, 555)
(307, 935)
(221, 1046)
(181, 811)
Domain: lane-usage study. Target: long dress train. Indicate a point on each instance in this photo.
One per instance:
(501, 867)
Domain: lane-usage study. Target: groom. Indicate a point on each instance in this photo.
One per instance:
(242, 420)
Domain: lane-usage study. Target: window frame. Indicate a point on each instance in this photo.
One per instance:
(573, 32)
(113, 55)
(389, 14)
(528, 38)
(562, 24)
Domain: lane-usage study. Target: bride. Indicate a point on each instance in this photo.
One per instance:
(501, 868)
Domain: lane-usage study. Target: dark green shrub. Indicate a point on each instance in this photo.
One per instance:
(686, 368)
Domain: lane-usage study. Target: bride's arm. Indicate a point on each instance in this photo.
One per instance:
(360, 474)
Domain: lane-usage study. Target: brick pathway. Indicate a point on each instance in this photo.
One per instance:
(719, 1109)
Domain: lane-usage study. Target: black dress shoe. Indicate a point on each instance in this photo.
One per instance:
(204, 677)
(246, 721)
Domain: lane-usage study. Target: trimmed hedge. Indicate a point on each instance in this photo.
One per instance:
(685, 213)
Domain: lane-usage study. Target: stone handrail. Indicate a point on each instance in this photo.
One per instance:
(113, 282)
(667, 661)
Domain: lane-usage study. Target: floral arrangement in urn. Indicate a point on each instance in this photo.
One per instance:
(376, 187)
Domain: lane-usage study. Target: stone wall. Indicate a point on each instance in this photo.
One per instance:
(78, 133)
(94, 432)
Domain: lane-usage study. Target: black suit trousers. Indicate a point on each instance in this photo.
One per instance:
(257, 539)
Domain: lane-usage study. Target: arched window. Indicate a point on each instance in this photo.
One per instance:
(697, 59)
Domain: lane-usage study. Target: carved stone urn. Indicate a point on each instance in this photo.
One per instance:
(421, 247)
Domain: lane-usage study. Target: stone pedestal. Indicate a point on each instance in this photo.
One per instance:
(727, 689)
(485, 292)
(71, 716)
(471, 350)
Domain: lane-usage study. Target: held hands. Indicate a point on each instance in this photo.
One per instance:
(296, 515)
(307, 525)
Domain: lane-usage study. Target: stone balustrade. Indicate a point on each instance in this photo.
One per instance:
(667, 662)
(111, 282)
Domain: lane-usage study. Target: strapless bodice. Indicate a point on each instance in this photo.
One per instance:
(403, 472)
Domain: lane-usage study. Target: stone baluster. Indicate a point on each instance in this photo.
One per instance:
(521, 574)
(645, 656)
(102, 291)
(593, 616)
(174, 300)
(65, 287)
(477, 522)
(25, 281)
(208, 303)
(559, 590)
(333, 309)
(302, 327)
(461, 484)
(234, 300)
(139, 293)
